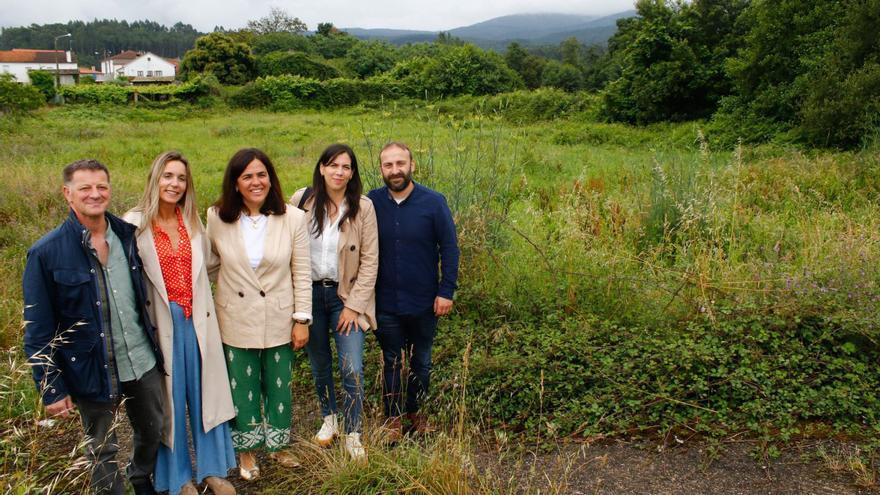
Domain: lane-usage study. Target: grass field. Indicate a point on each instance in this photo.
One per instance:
(614, 280)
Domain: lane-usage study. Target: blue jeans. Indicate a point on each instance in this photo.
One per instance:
(326, 308)
(403, 336)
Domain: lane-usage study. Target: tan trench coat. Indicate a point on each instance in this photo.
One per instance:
(216, 396)
(255, 307)
(358, 252)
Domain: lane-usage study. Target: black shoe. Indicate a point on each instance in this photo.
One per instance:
(143, 488)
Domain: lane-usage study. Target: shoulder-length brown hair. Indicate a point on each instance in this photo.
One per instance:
(230, 204)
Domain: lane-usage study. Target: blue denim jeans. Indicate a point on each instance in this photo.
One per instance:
(405, 336)
(326, 308)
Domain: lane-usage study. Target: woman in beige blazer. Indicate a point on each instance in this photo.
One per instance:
(344, 247)
(174, 252)
(263, 296)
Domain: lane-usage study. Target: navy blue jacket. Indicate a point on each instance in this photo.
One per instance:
(63, 336)
(417, 243)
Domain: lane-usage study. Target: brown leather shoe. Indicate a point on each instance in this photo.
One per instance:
(188, 489)
(392, 430)
(220, 486)
(419, 424)
(285, 459)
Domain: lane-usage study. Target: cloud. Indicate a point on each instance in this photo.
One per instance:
(231, 14)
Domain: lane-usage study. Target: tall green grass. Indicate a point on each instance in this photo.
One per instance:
(613, 279)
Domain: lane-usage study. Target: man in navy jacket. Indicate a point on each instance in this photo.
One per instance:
(87, 335)
(418, 269)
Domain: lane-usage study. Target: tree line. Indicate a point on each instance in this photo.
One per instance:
(95, 40)
(796, 70)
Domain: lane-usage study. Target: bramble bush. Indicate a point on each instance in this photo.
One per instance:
(284, 93)
(16, 97)
(44, 81)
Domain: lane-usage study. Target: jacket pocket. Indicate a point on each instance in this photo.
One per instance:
(81, 371)
(75, 294)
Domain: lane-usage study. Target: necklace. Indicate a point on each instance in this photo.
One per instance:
(255, 221)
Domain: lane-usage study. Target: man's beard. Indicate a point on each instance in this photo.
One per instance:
(407, 179)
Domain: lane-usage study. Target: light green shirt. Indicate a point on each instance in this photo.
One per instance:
(132, 350)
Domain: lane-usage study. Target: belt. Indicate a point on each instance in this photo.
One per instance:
(325, 283)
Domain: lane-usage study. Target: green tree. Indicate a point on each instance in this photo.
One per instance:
(278, 21)
(218, 54)
(571, 50)
(810, 67)
(528, 66)
(326, 29)
(280, 42)
(470, 70)
(370, 58)
(671, 60)
(563, 76)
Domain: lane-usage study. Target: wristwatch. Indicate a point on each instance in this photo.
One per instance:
(301, 322)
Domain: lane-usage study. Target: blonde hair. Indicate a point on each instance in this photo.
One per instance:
(148, 206)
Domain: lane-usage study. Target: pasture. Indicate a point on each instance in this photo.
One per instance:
(615, 281)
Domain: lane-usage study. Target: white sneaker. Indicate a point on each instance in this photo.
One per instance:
(329, 430)
(354, 448)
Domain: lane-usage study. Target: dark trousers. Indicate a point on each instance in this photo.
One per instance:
(143, 404)
(410, 337)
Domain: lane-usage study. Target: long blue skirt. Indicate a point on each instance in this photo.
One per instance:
(214, 452)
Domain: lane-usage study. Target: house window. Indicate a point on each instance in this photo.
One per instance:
(149, 73)
(158, 73)
(5, 68)
(140, 73)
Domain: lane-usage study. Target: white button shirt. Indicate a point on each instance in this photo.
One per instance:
(325, 261)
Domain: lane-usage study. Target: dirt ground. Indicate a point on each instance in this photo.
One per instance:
(644, 467)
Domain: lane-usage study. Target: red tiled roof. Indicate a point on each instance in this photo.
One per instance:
(86, 70)
(126, 56)
(24, 55)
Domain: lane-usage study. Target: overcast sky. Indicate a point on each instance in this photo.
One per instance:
(430, 15)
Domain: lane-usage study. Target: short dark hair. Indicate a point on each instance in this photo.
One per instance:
(230, 203)
(395, 144)
(85, 164)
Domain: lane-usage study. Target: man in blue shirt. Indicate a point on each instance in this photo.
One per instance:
(87, 333)
(418, 268)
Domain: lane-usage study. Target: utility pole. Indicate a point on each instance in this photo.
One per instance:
(57, 70)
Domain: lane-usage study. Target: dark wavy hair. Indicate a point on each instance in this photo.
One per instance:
(353, 189)
(230, 204)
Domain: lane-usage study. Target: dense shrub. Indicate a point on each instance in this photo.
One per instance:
(229, 61)
(371, 58)
(295, 64)
(190, 91)
(671, 60)
(44, 81)
(294, 92)
(280, 42)
(469, 70)
(17, 97)
(563, 76)
(759, 373)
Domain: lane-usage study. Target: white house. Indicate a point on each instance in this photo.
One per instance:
(19, 61)
(138, 65)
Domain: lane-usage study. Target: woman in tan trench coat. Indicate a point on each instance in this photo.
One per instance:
(174, 251)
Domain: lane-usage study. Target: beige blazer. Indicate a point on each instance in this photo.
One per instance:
(358, 258)
(255, 307)
(216, 397)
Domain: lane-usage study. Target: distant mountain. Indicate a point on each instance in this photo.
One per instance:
(527, 29)
(521, 26)
(595, 31)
